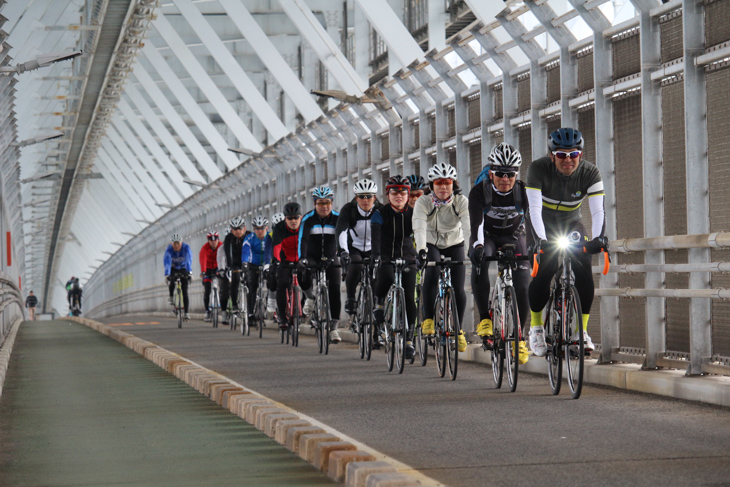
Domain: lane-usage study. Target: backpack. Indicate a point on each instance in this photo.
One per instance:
(488, 191)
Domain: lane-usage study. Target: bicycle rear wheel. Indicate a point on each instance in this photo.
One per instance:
(553, 339)
(260, 313)
(296, 316)
(400, 331)
(324, 318)
(452, 327)
(497, 351)
(357, 321)
(179, 307)
(512, 337)
(421, 342)
(574, 349)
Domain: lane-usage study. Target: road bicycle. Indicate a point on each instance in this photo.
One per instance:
(214, 303)
(395, 324)
(259, 307)
(75, 305)
(322, 317)
(446, 320)
(241, 312)
(504, 344)
(564, 316)
(293, 311)
(178, 303)
(421, 341)
(363, 318)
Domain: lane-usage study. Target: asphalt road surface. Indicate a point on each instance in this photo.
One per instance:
(466, 433)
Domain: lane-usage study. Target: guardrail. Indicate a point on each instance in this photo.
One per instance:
(11, 305)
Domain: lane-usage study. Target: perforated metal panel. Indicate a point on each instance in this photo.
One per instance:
(717, 20)
(417, 135)
(671, 36)
(629, 212)
(451, 117)
(553, 83)
(718, 136)
(523, 94)
(552, 125)
(675, 210)
(626, 56)
(369, 149)
(433, 129)
(585, 71)
(475, 158)
(385, 148)
(474, 111)
(498, 102)
(587, 126)
(525, 149)
(452, 157)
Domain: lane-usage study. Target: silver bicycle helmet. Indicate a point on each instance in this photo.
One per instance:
(176, 237)
(323, 192)
(259, 222)
(442, 170)
(504, 155)
(238, 222)
(366, 186)
(279, 217)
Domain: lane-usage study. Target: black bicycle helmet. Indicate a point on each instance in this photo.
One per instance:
(292, 209)
(565, 138)
(418, 183)
(399, 182)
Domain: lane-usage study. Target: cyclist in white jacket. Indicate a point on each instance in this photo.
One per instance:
(440, 228)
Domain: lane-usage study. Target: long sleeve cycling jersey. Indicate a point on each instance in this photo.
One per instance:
(255, 250)
(317, 236)
(502, 216)
(285, 243)
(353, 227)
(443, 226)
(182, 260)
(392, 232)
(232, 248)
(208, 257)
(555, 199)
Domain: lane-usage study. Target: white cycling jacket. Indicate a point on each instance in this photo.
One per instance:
(445, 226)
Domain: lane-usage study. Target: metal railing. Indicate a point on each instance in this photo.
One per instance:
(11, 305)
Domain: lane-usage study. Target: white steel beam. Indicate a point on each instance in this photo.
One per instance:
(206, 127)
(323, 45)
(120, 183)
(142, 182)
(272, 59)
(207, 86)
(123, 198)
(485, 11)
(232, 69)
(140, 168)
(166, 137)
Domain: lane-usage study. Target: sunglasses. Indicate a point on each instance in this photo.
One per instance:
(212, 238)
(236, 228)
(324, 203)
(259, 228)
(443, 182)
(564, 155)
(365, 196)
(292, 218)
(396, 191)
(503, 174)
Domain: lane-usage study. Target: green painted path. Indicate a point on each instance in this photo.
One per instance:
(80, 409)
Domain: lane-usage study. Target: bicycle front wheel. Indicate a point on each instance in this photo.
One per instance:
(400, 331)
(389, 339)
(574, 344)
(452, 327)
(440, 337)
(214, 309)
(296, 315)
(324, 317)
(497, 351)
(512, 336)
(179, 304)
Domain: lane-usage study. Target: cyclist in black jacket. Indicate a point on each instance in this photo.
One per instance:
(496, 214)
(316, 240)
(393, 239)
(354, 235)
(229, 258)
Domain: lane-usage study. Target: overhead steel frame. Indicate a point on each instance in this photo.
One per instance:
(407, 114)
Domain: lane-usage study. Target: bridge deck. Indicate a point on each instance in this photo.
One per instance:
(80, 409)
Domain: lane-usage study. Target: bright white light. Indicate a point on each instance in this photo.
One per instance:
(563, 242)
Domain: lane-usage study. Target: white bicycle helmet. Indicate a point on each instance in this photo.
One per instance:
(259, 222)
(176, 237)
(238, 222)
(279, 217)
(442, 170)
(504, 155)
(366, 186)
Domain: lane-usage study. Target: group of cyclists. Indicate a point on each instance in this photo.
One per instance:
(420, 221)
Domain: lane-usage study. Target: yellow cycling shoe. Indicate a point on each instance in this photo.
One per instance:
(427, 327)
(462, 342)
(485, 328)
(524, 354)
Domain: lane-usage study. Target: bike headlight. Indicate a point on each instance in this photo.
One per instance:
(563, 242)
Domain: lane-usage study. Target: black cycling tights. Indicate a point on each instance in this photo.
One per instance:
(549, 263)
(184, 282)
(431, 279)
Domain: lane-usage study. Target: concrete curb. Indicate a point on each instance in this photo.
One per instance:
(5, 350)
(328, 450)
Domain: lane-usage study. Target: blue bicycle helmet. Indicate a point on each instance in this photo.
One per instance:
(417, 181)
(565, 138)
(323, 192)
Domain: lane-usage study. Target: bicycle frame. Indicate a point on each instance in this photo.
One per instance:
(391, 330)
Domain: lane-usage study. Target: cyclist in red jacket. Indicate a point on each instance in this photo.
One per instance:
(209, 267)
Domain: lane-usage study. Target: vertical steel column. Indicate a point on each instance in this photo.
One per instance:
(417, 94)
(653, 174)
(405, 112)
(432, 85)
(698, 185)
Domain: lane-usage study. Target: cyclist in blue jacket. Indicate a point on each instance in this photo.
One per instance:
(256, 252)
(178, 261)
